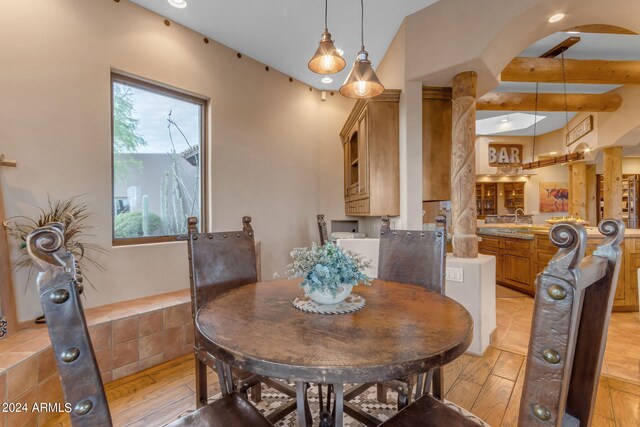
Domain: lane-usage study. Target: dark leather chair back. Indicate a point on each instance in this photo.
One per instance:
(220, 261)
(322, 229)
(58, 287)
(574, 298)
(416, 257)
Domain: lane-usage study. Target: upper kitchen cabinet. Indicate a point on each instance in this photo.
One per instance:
(436, 143)
(371, 157)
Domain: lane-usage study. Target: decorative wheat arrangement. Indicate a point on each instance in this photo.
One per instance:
(73, 215)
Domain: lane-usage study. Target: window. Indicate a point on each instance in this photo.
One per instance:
(158, 141)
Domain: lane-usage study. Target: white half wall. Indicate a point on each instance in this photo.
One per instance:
(476, 292)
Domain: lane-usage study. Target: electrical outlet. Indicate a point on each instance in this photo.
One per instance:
(455, 274)
(276, 275)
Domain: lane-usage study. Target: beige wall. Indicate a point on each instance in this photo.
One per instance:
(274, 147)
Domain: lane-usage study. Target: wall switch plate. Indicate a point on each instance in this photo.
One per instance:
(455, 274)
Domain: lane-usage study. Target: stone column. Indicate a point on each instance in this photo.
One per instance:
(578, 190)
(463, 166)
(612, 182)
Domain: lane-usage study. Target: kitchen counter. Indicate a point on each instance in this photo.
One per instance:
(523, 251)
(527, 232)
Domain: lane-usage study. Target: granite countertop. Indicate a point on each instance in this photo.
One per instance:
(527, 232)
(501, 231)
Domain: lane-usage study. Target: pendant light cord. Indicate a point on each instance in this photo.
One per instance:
(362, 23)
(325, 14)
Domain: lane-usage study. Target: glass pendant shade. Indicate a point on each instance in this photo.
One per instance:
(362, 82)
(327, 59)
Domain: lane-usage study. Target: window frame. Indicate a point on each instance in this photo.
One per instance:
(161, 89)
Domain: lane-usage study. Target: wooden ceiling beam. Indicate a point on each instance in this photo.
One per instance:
(560, 48)
(589, 71)
(601, 29)
(503, 101)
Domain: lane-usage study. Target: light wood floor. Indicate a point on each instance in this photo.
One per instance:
(622, 355)
(489, 386)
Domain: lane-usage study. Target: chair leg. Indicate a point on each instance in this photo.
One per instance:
(381, 391)
(256, 393)
(201, 384)
(438, 383)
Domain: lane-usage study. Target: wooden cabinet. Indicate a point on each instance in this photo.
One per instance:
(486, 199)
(436, 143)
(514, 196)
(514, 267)
(370, 140)
(519, 261)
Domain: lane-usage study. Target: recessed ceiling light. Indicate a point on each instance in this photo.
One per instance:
(327, 80)
(573, 32)
(504, 120)
(557, 17)
(180, 4)
(586, 150)
(553, 152)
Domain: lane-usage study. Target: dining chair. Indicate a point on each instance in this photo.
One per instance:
(416, 257)
(82, 385)
(572, 308)
(322, 229)
(219, 262)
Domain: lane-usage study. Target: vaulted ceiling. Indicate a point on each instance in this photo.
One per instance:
(284, 34)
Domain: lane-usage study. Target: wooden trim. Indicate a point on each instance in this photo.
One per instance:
(588, 71)
(128, 241)
(433, 92)
(387, 95)
(503, 101)
(160, 89)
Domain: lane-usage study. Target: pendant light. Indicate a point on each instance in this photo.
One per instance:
(327, 59)
(362, 81)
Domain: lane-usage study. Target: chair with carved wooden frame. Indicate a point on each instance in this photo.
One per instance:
(571, 315)
(58, 283)
(322, 230)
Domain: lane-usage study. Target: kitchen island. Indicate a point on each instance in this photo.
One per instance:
(522, 251)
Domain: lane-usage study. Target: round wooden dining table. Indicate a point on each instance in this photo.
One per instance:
(403, 330)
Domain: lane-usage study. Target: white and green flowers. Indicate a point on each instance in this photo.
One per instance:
(327, 268)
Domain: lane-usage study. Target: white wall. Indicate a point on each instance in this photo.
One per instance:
(274, 147)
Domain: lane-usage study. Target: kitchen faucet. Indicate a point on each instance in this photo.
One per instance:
(519, 209)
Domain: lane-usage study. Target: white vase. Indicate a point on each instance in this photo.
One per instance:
(326, 297)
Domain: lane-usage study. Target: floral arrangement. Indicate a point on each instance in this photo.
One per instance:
(328, 267)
